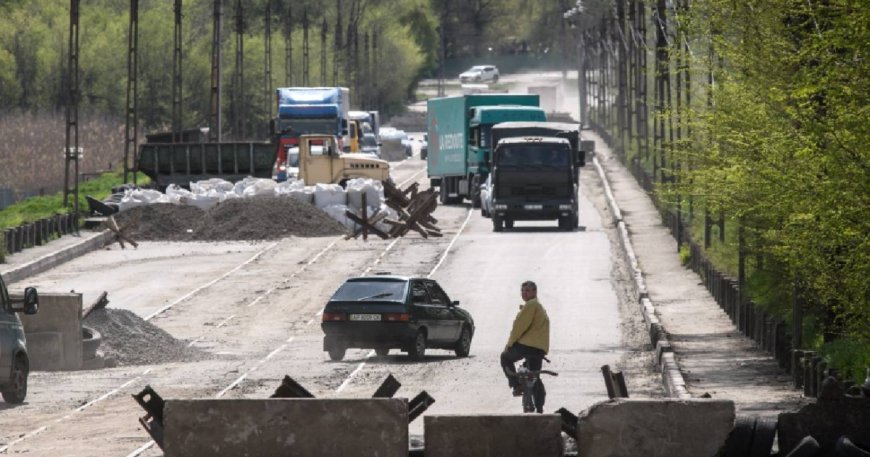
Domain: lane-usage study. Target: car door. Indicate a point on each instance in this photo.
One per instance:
(447, 318)
(8, 325)
(426, 315)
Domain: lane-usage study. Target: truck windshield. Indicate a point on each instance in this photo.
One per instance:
(533, 156)
(303, 126)
(371, 290)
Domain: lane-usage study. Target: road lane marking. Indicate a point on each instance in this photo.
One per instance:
(79, 409)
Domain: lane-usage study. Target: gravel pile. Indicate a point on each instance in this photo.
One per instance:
(130, 340)
(255, 218)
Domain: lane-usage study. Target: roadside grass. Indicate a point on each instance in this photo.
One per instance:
(35, 208)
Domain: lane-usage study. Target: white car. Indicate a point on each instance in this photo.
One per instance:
(486, 197)
(479, 73)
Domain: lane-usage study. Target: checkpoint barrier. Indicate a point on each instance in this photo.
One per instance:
(54, 334)
(518, 435)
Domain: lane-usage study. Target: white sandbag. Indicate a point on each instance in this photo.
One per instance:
(177, 194)
(291, 185)
(260, 187)
(305, 194)
(240, 187)
(139, 197)
(329, 195)
(206, 185)
(391, 214)
(207, 200)
(373, 190)
(337, 212)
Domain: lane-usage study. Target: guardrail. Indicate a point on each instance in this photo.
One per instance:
(771, 333)
(38, 232)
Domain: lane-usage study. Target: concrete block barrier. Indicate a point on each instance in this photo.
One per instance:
(54, 333)
(654, 428)
(493, 436)
(299, 427)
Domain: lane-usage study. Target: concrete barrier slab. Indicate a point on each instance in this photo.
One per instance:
(524, 435)
(45, 350)
(277, 426)
(60, 314)
(655, 428)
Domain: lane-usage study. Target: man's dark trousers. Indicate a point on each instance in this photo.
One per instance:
(534, 357)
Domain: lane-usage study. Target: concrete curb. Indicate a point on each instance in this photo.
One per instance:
(672, 379)
(89, 243)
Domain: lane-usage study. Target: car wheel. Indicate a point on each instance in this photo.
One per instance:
(336, 353)
(442, 192)
(419, 348)
(382, 352)
(475, 191)
(20, 371)
(463, 346)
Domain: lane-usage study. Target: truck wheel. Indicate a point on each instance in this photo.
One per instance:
(496, 223)
(475, 191)
(18, 386)
(442, 192)
(336, 353)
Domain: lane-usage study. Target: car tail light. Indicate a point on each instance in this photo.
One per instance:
(397, 317)
(332, 317)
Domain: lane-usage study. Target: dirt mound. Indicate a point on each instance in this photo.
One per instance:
(130, 340)
(256, 218)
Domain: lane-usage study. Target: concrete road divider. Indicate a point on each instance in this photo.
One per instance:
(54, 334)
(524, 435)
(654, 428)
(298, 427)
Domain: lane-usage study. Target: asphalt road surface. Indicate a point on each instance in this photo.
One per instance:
(253, 309)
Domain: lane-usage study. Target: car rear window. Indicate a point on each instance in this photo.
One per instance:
(371, 291)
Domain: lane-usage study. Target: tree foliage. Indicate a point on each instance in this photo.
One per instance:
(785, 145)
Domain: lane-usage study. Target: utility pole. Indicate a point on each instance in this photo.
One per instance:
(131, 122)
(239, 79)
(72, 152)
(323, 32)
(177, 126)
(336, 49)
(215, 118)
(267, 74)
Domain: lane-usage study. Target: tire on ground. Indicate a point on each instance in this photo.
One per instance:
(740, 439)
(762, 437)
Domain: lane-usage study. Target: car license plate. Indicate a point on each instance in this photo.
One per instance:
(365, 317)
(533, 206)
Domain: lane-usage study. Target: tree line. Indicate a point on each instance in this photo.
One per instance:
(751, 119)
(379, 48)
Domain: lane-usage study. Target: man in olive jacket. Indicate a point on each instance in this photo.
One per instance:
(529, 338)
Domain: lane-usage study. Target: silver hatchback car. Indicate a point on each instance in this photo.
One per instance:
(14, 364)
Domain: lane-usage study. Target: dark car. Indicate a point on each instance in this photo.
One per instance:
(394, 312)
(14, 363)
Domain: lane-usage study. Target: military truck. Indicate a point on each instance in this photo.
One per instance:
(460, 140)
(321, 161)
(534, 178)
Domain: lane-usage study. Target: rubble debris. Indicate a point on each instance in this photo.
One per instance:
(130, 340)
(254, 218)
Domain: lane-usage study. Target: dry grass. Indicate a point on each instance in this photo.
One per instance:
(31, 149)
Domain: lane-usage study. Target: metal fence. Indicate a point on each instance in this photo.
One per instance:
(38, 232)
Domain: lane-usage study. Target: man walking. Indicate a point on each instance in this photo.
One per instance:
(529, 338)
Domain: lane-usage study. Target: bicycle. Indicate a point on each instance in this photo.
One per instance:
(534, 393)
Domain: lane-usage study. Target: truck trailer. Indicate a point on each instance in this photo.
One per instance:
(460, 139)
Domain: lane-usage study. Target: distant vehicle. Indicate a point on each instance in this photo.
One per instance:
(290, 168)
(394, 134)
(394, 312)
(369, 144)
(14, 363)
(320, 161)
(479, 73)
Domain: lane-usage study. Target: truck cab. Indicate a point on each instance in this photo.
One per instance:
(533, 178)
(14, 362)
(321, 161)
